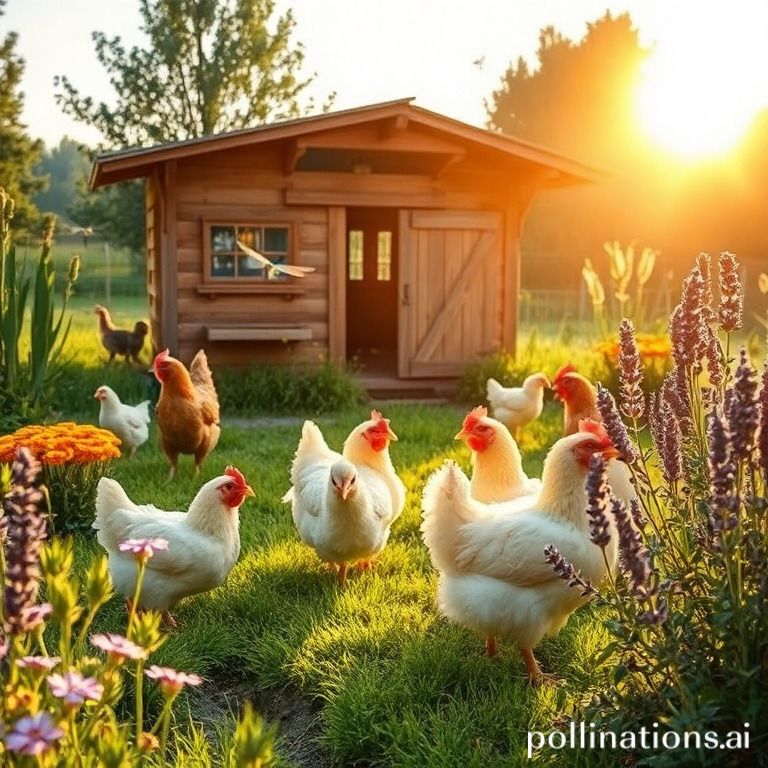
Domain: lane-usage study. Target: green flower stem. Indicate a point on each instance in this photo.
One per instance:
(73, 736)
(139, 699)
(164, 723)
(137, 593)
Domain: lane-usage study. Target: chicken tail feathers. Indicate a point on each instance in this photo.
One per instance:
(202, 378)
(143, 410)
(446, 507)
(493, 391)
(312, 439)
(110, 496)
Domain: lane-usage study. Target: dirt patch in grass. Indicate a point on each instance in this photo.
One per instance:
(297, 718)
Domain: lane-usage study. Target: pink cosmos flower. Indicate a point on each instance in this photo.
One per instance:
(36, 615)
(38, 662)
(118, 648)
(4, 647)
(171, 682)
(74, 689)
(33, 735)
(143, 549)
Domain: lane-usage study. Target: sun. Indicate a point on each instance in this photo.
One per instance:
(699, 92)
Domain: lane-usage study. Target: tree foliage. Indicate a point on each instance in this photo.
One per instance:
(116, 212)
(66, 166)
(18, 152)
(579, 98)
(208, 66)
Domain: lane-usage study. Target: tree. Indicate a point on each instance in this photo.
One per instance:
(579, 99)
(65, 165)
(209, 66)
(18, 152)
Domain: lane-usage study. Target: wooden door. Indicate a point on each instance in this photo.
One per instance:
(372, 279)
(450, 290)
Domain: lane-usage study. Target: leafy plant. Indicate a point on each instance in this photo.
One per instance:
(25, 388)
(510, 370)
(690, 603)
(268, 389)
(63, 710)
(608, 309)
(74, 457)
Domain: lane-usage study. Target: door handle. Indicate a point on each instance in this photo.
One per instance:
(406, 294)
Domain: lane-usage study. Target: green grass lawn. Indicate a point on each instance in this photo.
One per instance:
(369, 674)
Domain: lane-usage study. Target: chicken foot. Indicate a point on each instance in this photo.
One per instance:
(491, 649)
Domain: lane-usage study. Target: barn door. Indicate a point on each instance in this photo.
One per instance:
(450, 290)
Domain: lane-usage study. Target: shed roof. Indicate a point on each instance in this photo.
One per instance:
(122, 165)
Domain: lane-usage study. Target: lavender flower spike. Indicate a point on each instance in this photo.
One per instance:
(630, 372)
(725, 502)
(762, 430)
(597, 502)
(614, 426)
(567, 572)
(25, 531)
(634, 557)
(742, 410)
(731, 313)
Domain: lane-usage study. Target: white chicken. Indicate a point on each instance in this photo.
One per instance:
(129, 422)
(493, 574)
(517, 406)
(344, 505)
(203, 543)
(368, 446)
(497, 469)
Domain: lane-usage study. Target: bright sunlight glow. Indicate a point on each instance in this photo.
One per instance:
(697, 97)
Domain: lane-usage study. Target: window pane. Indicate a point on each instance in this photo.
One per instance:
(384, 256)
(222, 265)
(276, 239)
(250, 236)
(355, 254)
(222, 239)
(247, 266)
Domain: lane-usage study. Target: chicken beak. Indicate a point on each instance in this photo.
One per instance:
(249, 491)
(463, 435)
(390, 434)
(610, 453)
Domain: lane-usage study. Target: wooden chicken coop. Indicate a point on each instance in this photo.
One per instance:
(411, 221)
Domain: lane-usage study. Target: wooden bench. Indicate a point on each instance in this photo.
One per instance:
(258, 332)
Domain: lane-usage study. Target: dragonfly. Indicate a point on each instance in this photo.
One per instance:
(272, 269)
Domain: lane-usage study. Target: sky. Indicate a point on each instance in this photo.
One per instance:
(448, 54)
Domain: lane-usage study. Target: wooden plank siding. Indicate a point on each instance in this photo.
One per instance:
(243, 187)
(443, 218)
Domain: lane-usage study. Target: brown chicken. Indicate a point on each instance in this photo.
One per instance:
(187, 411)
(579, 398)
(118, 341)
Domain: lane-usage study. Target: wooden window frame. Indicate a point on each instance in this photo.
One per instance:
(212, 285)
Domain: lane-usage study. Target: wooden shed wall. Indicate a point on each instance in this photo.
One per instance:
(245, 186)
(249, 184)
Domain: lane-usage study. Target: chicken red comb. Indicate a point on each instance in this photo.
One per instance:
(161, 357)
(473, 417)
(595, 428)
(562, 371)
(381, 424)
(236, 475)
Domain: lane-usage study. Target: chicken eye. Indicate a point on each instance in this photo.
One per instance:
(353, 480)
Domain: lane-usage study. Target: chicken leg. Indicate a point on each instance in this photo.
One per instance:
(491, 650)
(535, 675)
